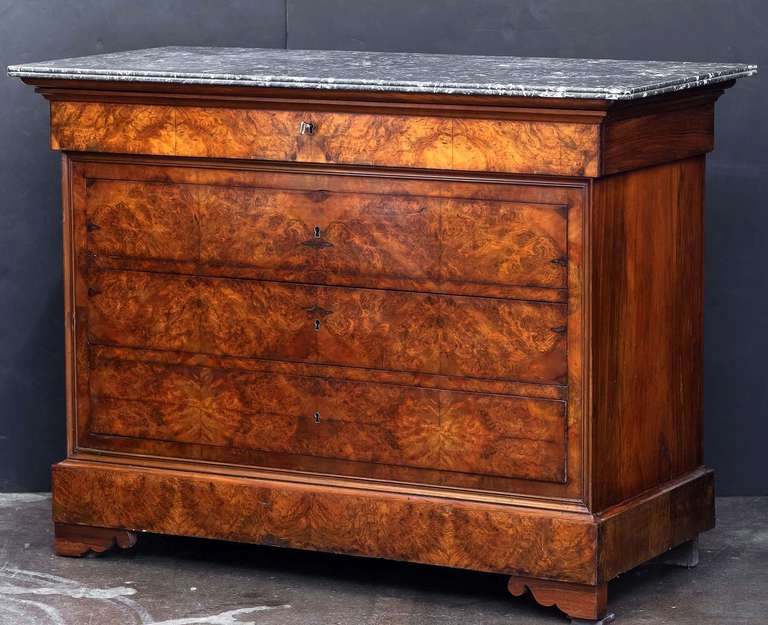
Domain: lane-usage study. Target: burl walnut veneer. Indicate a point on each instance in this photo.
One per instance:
(457, 324)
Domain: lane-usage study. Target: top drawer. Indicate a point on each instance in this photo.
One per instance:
(386, 140)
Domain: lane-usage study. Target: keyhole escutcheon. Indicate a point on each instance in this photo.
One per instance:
(318, 232)
(317, 324)
(317, 417)
(306, 128)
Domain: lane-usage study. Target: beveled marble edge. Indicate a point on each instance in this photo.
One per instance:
(493, 88)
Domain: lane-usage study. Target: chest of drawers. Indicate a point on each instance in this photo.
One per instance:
(460, 327)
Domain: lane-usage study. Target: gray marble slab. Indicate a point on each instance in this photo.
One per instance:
(602, 79)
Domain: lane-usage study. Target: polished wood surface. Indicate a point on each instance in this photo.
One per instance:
(309, 416)
(366, 235)
(484, 537)
(456, 331)
(534, 542)
(353, 139)
(375, 230)
(380, 329)
(647, 328)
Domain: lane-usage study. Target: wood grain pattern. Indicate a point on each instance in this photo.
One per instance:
(501, 539)
(308, 416)
(91, 127)
(126, 219)
(647, 328)
(555, 148)
(235, 133)
(381, 140)
(526, 147)
(519, 226)
(529, 543)
(378, 329)
(319, 232)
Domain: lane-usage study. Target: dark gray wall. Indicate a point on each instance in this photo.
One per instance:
(31, 331)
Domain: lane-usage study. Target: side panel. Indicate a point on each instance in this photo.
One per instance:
(646, 229)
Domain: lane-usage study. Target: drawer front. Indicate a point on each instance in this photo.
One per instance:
(305, 418)
(368, 235)
(393, 140)
(381, 329)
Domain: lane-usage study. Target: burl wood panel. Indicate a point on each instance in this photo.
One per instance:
(359, 234)
(483, 537)
(310, 416)
(448, 335)
(93, 127)
(526, 147)
(536, 147)
(646, 328)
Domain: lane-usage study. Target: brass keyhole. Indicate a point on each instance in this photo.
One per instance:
(318, 234)
(317, 417)
(317, 324)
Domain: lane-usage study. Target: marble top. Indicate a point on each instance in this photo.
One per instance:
(602, 79)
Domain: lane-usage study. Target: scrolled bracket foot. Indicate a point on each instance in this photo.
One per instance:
(76, 541)
(583, 603)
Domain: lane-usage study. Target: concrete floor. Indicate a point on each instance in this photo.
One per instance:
(179, 581)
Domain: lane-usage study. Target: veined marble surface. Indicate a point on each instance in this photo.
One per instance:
(602, 79)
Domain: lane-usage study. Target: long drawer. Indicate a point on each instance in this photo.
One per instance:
(492, 145)
(372, 328)
(299, 420)
(370, 235)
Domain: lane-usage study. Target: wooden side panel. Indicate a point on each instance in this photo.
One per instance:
(448, 335)
(646, 328)
(310, 416)
(634, 533)
(389, 140)
(495, 538)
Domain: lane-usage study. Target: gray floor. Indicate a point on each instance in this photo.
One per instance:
(176, 581)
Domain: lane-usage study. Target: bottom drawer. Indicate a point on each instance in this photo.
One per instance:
(293, 421)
